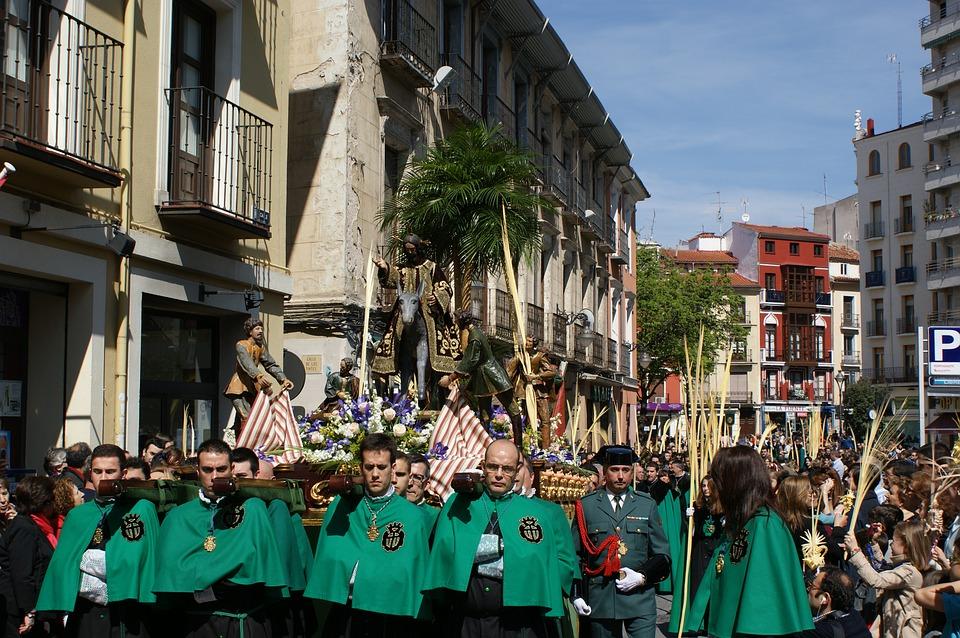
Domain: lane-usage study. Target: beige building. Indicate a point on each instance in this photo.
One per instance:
(893, 252)
(846, 326)
(363, 105)
(163, 123)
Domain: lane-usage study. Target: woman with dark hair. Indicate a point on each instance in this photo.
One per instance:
(796, 500)
(755, 560)
(25, 551)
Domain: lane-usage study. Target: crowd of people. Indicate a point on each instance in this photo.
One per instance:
(773, 550)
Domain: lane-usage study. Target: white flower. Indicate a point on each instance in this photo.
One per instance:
(389, 415)
(399, 429)
(351, 429)
(316, 438)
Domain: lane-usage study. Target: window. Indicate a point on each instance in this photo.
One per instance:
(876, 258)
(878, 362)
(794, 248)
(906, 208)
(819, 339)
(906, 255)
(769, 247)
(903, 156)
(770, 281)
(843, 269)
(878, 311)
(908, 308)
(770, 342)
(818, 250)
(849, 346)
(873, 163)
(875, 212)
(909, 359)
(847, 305)
(820, 284)
(770, 387)
(930, 153)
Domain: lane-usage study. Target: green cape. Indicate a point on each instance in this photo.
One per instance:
(671, 510)
(389, 569)
(246, 551)
(538, 558)
(762, 593)
(303, 546)
(288, 544)
(132, 530)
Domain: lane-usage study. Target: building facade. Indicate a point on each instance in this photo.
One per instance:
(894, 277)
(847, 343)
(839, 220)
(160, 123)
(363, 105)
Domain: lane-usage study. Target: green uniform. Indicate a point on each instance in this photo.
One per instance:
(759, 589)
(381, 576)
(288, 544)
(538, 558)
(130, 531)
(637, 523)
(222, 558)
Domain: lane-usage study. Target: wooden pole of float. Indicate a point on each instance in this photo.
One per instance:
(367, 301)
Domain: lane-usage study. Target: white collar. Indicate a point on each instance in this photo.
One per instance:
(209, 501)
(390, 492)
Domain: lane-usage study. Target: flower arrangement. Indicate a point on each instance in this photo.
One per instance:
(559, 451)
(336, 437)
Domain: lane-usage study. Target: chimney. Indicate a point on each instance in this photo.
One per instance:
(869, 127)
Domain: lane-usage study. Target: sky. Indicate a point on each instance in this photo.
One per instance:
(752, 99)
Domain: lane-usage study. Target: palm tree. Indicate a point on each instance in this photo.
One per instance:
(453, 197)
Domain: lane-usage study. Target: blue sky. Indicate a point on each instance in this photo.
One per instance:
(753, 99)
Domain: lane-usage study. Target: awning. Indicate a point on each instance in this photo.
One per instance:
(945, 423)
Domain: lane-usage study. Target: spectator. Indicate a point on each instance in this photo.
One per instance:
(944, 597)
(77, 455)
(244, 463)
(66, 496)
(154, 445)
(25, 551)
(173, 455)
(831, 600)
(7, 510)
(136, 470)
(55, 462)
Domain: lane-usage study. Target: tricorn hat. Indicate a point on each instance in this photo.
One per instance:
(615, 455)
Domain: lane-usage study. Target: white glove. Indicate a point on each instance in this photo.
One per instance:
(689, 512)
(630, 581)
(582, 607)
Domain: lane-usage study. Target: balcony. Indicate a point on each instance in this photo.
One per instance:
(944, 318)
(559, 335)
(941, 224)
(877, 328)
(940, 124)
(851, 359)
(940, 24)
(741, 356)
(60, 113)
(891, 375)
(535, 322)
(825, 358)
(556, 181)
(611, 361)
(850, 322)
(743, 317)
(408, 43)
(940, 73)
(943, 273)
(738, 396)
(626, 356)
(903, 224)
(824, 299)
(623, 248)
(821, 396)
(528, 141)
(905, 274)
(940, 175)
(582, 339)
(772, 355)
(497, 113)
(221, 171)
(906, 325)
(772, 296)
(504, 321)
(461, 98)
(597, 350)
(874, 278)
(873, 230)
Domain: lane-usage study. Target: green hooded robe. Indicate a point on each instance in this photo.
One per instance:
(288, 544)
(131, 529)
(246, 551)
(671, 510)
(760, 589)
(538, 558)
(389, 569)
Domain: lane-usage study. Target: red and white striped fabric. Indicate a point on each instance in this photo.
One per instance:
(461, 431)
(271, 426)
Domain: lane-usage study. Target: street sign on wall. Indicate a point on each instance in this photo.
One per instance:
(944, 344)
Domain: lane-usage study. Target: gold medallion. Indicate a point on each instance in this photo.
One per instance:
(622, 548)
(98, 535)
(719, 564)
(210, 543)
(373, 532)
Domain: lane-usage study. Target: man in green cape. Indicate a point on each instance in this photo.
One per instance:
(370, 553)
(672, 494)
(623, 552)
(102, 571)
(222, 565)
(417, 488)
(500, 561)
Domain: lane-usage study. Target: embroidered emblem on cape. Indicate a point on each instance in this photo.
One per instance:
(131, 527)
(233, 516)
(393, 537)
(530, 529)
(739, 547)
(709, 527)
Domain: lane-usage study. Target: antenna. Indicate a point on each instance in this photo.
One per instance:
(720, 211)
(804, 209)
(653, 220)
(824, 189)
(894, 59)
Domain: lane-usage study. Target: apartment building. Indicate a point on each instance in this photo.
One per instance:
(795, 322)
(839, 220)
(894, 291)
(161, 123)
(847, 343)
(363, 105)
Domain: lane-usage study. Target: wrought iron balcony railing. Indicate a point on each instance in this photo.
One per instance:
(497, 113)
(877, 328)
(905, 274)
(626, 355)
(903, 224)
(851, 358)
(556, 180)
(559, 334)
(906, 325)
(462, 95)
(61, 91)
(850, 321)
(874, 278)
(408, 41)
(504, 316)
(873, 230)
(535, 321)
(772, 296)
(611, 362)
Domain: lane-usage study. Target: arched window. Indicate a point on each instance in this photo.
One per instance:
(903, 156)
(873, 164)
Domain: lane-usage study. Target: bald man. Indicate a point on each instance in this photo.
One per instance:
(500, 562)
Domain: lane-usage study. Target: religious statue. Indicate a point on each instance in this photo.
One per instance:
(541, 376)
(248, 379)
(342, 385)
(485, 377)
(420, 335)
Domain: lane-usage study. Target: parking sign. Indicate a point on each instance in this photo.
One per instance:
(944, 343)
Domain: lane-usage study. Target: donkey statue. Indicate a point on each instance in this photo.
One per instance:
(413, 344)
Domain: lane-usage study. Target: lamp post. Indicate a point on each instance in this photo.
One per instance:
(840, 378)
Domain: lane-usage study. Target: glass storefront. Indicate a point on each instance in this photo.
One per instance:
(14, 323)
(179, 389)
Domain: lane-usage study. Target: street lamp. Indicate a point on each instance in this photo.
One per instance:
(644, 359)
(840, 378)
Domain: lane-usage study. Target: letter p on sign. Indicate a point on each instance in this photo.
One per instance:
(944, 350)
(945, 340)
